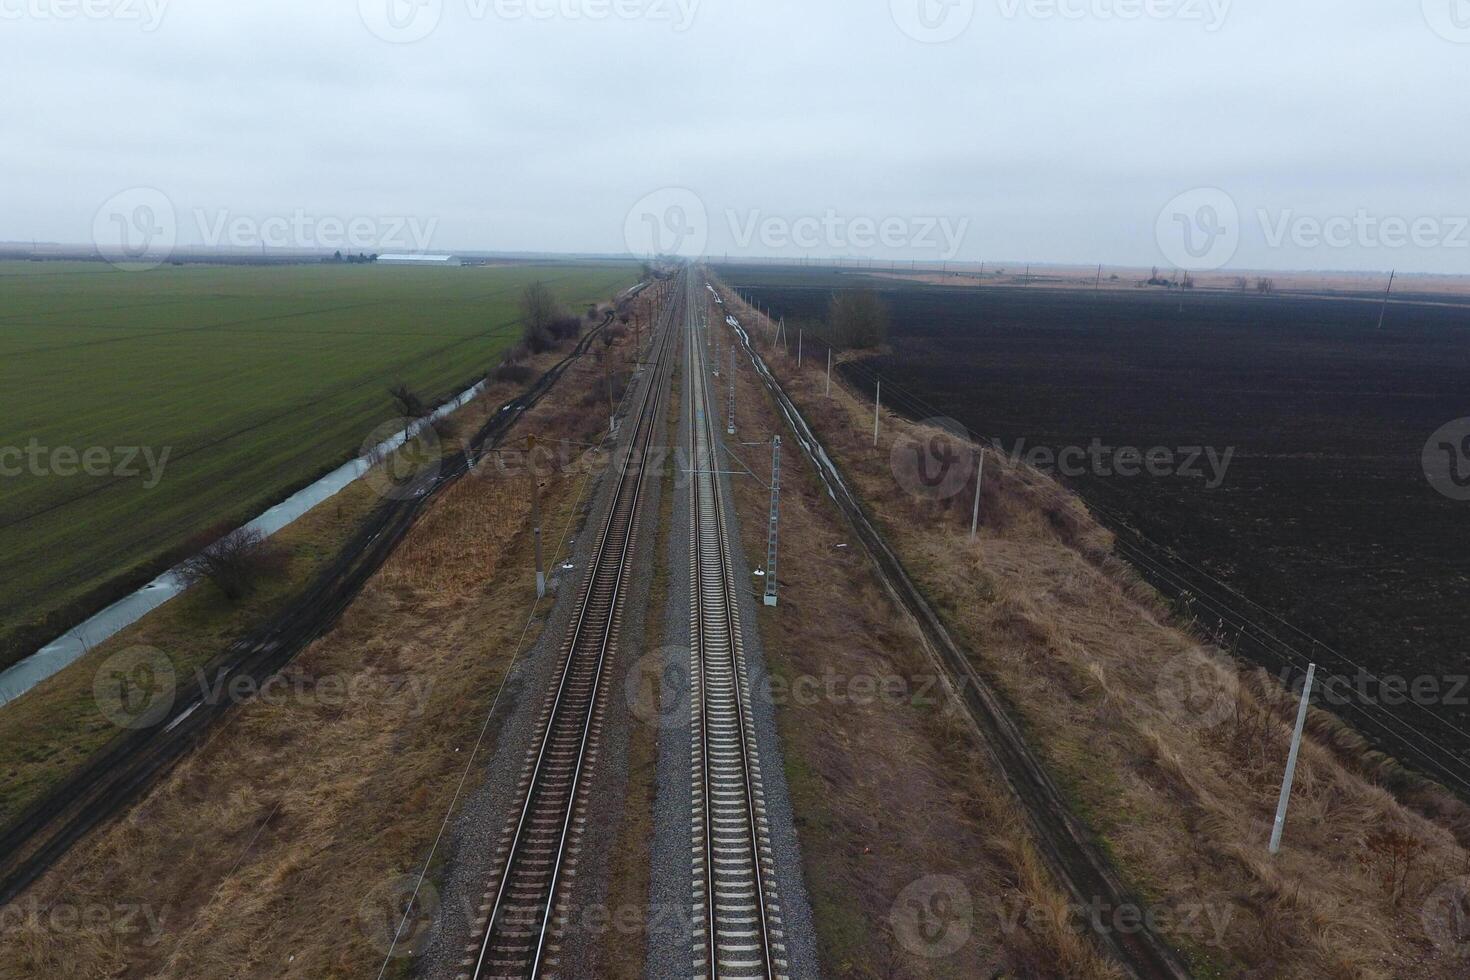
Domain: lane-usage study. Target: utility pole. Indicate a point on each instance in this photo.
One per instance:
(716, 334)
(1296, 744)
(770, 598)
(979, 480)
(612, 424)
(829, 370)
(1384, 310)
(731, 428)
(800, 333)
(1098, 285)
(877, 402)
(535, 516)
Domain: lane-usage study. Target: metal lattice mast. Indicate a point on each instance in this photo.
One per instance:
(731, 428)
(775, 522)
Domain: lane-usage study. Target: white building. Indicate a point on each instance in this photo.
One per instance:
(427, 261)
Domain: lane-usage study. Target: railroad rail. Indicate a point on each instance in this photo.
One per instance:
(737, 915)
(537, 852)
(1069, 847)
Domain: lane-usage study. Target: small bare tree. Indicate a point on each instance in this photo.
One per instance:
(857, 318)
(409, 405)
(538, 306)
(235, 563)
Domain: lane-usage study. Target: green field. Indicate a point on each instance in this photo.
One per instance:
(255, 379)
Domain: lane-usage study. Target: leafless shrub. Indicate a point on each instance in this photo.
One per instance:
(514, 373)
(409, 404)
(564, 328)
(538, 306)
(857, 318)
(235, 563)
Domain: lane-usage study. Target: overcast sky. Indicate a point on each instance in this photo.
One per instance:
(1322, 134)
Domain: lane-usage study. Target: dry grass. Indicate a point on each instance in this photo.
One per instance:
(271, 850)
(892, 793)
(1182, 791)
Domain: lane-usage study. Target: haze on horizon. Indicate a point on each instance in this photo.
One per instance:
(1200, 133)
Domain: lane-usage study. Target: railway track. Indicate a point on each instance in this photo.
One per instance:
(737, 915)
(1069, 847)
(537, 854)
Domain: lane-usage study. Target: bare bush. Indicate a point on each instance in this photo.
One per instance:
(538, 306)
(857, 318)
(514, 373)
(564, 328)
(409, 404)
(235, 563)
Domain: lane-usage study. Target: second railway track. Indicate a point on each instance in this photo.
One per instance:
(536, 856)
(737, 913)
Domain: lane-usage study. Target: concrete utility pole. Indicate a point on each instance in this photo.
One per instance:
(535, 516)
(731, 427)
(800, 333)
(770, 598)
(979, 479)
(1296, 744)
(612, 413)
(877, 403)
(1098, 285)
(716, 361)
(1383, 311)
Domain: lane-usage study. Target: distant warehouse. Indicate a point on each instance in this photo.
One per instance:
(436, 261)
